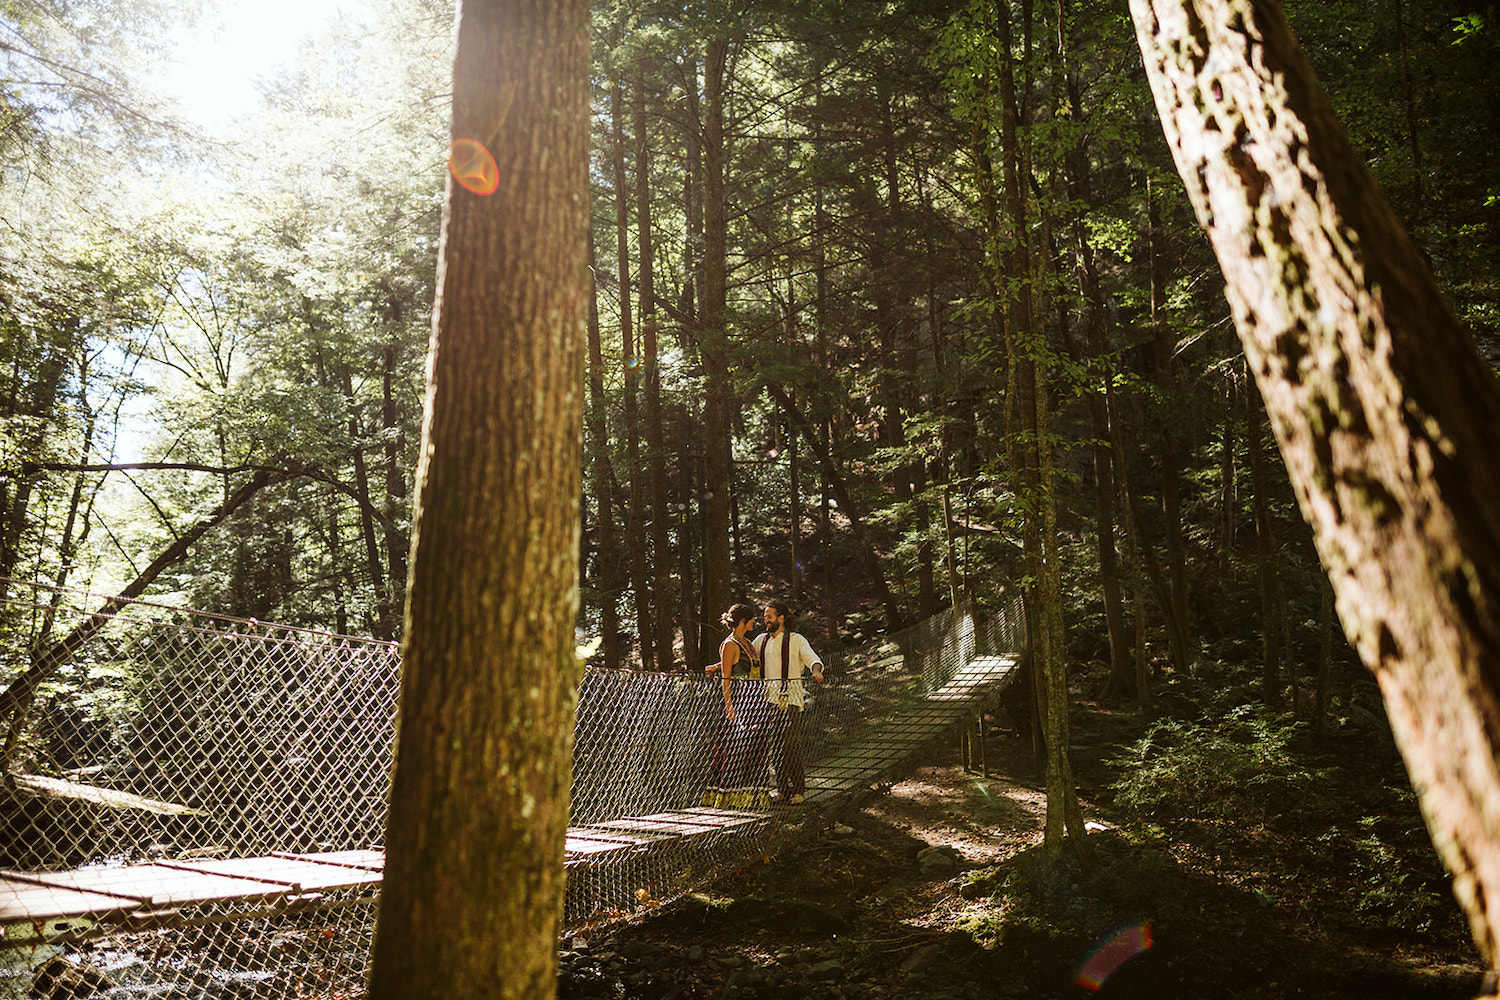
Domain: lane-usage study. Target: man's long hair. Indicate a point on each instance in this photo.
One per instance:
(785, 611)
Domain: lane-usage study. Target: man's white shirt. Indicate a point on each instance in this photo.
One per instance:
(801, 657)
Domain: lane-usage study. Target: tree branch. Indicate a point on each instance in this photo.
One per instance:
(16, 700)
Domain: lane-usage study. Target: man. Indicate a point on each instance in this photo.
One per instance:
(785, 656)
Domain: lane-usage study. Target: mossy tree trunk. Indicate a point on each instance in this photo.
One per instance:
(472, 899)
(1383, 409)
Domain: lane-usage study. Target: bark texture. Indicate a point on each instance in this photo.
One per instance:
(1380, 403)
(474, 854)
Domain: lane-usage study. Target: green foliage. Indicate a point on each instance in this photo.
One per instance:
(1393, 878)
(1468, 28)
(1239, 768)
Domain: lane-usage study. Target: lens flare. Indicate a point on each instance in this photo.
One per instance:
(1111, 952)
(473, 166)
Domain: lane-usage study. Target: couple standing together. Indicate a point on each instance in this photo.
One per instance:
(780, 657)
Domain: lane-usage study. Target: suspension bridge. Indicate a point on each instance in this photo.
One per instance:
(202, 800)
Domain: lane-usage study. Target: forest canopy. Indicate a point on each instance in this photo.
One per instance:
(881, 292)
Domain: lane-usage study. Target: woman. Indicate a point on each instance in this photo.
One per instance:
(732, 764)
(739, 619)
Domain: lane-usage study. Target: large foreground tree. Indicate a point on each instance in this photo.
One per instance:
(479, 808)
(1383, 409)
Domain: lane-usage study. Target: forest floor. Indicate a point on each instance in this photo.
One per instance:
(938, 888)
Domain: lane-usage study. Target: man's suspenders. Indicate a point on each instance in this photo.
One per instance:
(786, 655)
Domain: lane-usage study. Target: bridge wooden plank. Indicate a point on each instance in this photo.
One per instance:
(676, 828)
(155, 885)
(706, 819)
(645, 831)
(299, 875)
(28, 902)
(583, 846)
(369, 860)
(604, 831)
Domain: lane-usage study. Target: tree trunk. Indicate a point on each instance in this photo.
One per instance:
(1121, 677)
(1409, 100)
(382, 615)
(691, 305)
(40, 401)
(1265, 557)
(1032, 460)
(472, 900)
(656, 449)
(67, 546)
(1383, 409)
(820, 330)
(950, 550)
(337, 571)
(607, 580)
(1325, 665)
(794, 484)
(1226, 481)
(889, 296)
(635, 530)
(1136, 550)
(793, 458)
(716, 407)
(1176, 606)
(1096, 350)
(686, 464)
(397, 501)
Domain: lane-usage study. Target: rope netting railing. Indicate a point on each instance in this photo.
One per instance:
(194, 805)
(172, 738)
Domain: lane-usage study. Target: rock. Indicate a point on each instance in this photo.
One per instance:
(975, 890)
(695, 953)
(939, 860)
(840, 830)
(919, 959)
(826, 971)
(61, 979)
(745, 978)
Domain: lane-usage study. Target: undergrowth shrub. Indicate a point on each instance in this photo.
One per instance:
(1239, 767)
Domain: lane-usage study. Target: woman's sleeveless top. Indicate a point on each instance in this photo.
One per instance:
(748, 664)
